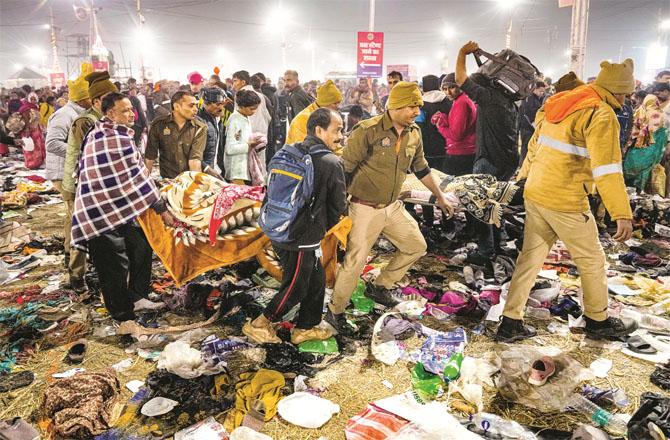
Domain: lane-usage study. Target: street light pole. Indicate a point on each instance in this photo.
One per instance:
(371, 17)
(580, 19)
(141, 26)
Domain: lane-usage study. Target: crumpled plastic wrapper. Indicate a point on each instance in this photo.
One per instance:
(515, 366)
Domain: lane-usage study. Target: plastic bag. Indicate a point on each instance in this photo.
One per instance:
(437, 349)
(426, 386)
(306, 410)
(328, 346)
(361, 302)
(208, 429)
(244, 433)
(658, 180)
(186, 362)
(388, 352)
(515, 367)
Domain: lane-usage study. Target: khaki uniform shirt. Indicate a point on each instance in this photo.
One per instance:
(175, 147)
(377, 159)
(75, 138)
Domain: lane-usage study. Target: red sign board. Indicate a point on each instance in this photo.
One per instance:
(57, 79)
(99, 65)
(370, 50)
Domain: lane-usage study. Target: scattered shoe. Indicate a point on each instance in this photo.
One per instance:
(77, 351)
(299, 335)
(638, 345)
(512, 330)
(567, 306)
(541, 370)
(18, 429)
(260, 335)
(146, 305)
(12, 381)
(339, 323)
(381, 295)
(611, 328)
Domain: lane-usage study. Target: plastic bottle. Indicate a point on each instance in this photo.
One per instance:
(598, 415)
(496, 425)
(453, 368)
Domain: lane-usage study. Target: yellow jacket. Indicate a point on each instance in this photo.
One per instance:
(297, 131)
(575, 151)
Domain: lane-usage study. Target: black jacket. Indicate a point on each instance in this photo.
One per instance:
(529, 107)
(330, 200)
(216, 139)
(298, 99)
(433, 142)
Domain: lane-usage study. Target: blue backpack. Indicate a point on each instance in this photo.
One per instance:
(290, 189)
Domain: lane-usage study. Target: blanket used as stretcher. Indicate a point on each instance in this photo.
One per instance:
(481, 195)
(216, 227)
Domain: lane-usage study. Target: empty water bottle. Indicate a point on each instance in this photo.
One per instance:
(453, 368)
(599, 416)
(492, 424)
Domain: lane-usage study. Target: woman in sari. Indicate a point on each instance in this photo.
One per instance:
(647, 143)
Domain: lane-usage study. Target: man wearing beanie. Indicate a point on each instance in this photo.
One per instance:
(575, 149)
(99, 85)
(379, 154)
(212, 113)
(567, 82)
(327, 96)
(58, 128)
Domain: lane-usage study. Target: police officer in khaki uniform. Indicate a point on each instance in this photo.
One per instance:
(378, 155)
(178, 138)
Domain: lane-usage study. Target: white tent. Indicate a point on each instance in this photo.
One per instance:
(26, 76)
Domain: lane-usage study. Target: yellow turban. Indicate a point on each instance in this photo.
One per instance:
(404, 94)
(328, 94)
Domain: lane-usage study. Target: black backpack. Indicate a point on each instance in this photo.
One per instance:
(514, 73)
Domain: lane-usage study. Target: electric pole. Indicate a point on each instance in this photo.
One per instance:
(580, 19)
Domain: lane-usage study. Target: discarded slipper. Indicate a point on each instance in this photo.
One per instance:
(77, 351)
(542, 370)
(638, 345)
(13, 381)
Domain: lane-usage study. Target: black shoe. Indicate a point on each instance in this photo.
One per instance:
(478, 259)
(381, 295)
(512, 330)
(339, 322)
(611, 328)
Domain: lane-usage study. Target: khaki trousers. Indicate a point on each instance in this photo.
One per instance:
(75, 260)
(579, 233)
(367, 224)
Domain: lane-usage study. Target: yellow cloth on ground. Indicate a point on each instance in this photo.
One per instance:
(264, 385)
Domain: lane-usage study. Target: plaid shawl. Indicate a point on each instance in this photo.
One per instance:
(114, 185)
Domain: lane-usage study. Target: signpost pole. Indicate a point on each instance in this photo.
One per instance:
(371, 18)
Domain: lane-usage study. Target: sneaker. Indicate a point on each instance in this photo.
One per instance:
(512, 330)
(381, 295)
(567, 306)
(299, 335)
(339, 323)
(145, 305)
(611, 328)
(260, 335)
(541, 370)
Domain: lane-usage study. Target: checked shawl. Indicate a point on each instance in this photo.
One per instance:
(114, 185)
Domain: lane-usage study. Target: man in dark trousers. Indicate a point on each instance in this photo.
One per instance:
(304, 279)
(497, 135)
(529, 107)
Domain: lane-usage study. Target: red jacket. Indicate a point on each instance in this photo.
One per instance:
(458, 128)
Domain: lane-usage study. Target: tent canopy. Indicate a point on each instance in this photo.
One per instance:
(26, 73)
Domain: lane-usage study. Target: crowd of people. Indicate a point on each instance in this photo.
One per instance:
(563, 142)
